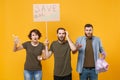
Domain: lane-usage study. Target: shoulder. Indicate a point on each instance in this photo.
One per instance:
(41, 43)
(81, 37)
(54, 42)
(96, 38)
(27, 42)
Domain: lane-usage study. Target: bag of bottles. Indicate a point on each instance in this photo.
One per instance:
(101, 65)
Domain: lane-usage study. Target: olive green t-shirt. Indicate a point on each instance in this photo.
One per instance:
(32, 63)
(62, 58)
(89, 54)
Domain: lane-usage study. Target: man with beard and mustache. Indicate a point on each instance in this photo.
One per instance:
(91, 46)
(62, 55)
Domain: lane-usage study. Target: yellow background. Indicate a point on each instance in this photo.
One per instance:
(16, 17)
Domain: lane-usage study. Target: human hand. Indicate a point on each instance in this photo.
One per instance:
(103, 55)
(39, 58)
(67, 34)
(46, 42)
(78, 45)
(16, 39)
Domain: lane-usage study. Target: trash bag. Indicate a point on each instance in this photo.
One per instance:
(101, 65)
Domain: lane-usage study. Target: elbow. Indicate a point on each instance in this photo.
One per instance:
(46, 57)
(74, 50)
(14, 50)
(47, 54)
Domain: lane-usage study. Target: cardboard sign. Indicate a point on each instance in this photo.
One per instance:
(46, 12)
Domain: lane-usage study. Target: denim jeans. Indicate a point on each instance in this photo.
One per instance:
(88, 74)
(32, 75)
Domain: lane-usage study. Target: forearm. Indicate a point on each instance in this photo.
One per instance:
(103, 55)
(72, 45)
(15, 48)
(17, 45)
(47, 52)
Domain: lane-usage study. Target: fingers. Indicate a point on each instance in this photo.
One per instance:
(16, 39)
(46, 42)
(78, 45)
(66, 32)
(39, 58)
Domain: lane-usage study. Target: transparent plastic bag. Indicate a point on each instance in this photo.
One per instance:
(101, 65)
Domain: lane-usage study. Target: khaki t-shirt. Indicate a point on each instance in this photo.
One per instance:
(89, 54)
(62, 58)
(32, 63)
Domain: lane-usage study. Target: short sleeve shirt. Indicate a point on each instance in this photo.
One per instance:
(62, 58)
(32, 52)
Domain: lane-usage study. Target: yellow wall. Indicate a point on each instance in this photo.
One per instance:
(16, 17)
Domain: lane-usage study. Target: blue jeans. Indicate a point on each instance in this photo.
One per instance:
(88, 74)
(32, 75)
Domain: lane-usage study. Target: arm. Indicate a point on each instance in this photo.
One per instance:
(41, 57)
(103, 54)
(72, 45)
(47, 52)
(78, 45)
(17, 45)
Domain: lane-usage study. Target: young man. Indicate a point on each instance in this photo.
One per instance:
(62, 55)
(88, 54)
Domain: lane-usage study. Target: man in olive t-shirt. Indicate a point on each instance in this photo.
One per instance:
(61, 49)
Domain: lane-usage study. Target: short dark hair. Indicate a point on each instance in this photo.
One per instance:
(60, 29)
(88, 25)
(36, 31)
